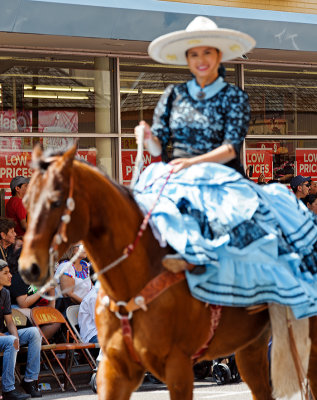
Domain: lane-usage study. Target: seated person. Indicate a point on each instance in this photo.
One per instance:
(10, 248)
(22, 295)
(75, 281)
(25, 297)
(10, 343)
(86, 317)
(311, 202)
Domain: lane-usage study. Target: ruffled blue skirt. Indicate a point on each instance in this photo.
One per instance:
(257, 243)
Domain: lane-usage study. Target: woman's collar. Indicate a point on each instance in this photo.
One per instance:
(197, 93)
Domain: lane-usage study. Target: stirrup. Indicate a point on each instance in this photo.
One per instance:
(175, 263)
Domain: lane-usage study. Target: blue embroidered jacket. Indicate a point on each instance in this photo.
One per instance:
(196, 126)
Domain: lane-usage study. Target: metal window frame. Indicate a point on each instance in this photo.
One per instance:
(115, 92)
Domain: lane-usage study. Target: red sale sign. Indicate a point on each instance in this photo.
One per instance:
(128, 162)
(88, 156)
(17, 163)
(261, 161)
(13, 163)
(19, 121)
(58, 121)
(306, 162)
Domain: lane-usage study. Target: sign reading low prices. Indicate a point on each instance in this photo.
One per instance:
(16, 162)
(128, 162)
(306, 162)
(262, 162)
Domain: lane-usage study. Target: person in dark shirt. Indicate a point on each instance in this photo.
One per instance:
(10, 343)
(23, 296)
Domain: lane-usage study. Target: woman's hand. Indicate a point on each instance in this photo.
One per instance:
(18, 244)
(181, 163)
(151, 143)
(147, 132)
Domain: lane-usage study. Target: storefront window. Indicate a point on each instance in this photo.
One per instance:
(55, 102)
(141, 85)
(282, 100)
(282, 158)
(47, 95)
(283, 106)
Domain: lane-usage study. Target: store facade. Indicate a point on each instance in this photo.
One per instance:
(78, 70)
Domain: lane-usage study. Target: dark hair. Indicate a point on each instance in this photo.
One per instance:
(13, 191)
(6, 224)
(310, 198)
(222, 71)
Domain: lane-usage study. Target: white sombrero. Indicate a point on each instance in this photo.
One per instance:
(202, 31)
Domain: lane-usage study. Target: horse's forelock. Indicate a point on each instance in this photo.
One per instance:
(46, 159)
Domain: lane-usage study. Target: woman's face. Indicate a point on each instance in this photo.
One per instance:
(204, 62)
(313, 206)
(82, 254)
(9, 237)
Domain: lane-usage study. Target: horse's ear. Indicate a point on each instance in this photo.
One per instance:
(37, 153)
(69, 155)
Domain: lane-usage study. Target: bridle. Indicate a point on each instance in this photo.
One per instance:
(58, 239)
(60, 235)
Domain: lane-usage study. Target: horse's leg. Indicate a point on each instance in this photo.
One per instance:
(179, 375)
(115, 383)
(118, 375)
(312, 369)
(253, 366)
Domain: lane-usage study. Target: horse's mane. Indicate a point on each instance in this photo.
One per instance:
(46, 160)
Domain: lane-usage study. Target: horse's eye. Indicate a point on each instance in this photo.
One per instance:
(56, 204)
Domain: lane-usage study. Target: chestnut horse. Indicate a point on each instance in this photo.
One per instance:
(175, 325)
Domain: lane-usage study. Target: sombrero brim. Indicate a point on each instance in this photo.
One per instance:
(171, 48)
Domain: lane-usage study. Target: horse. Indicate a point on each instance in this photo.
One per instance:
(165, 334)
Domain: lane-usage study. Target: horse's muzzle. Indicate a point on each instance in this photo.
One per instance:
(32, 274)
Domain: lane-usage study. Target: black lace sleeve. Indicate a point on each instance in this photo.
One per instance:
(237, 116)
(160, 127)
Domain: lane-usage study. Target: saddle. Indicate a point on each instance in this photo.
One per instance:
(175, 263)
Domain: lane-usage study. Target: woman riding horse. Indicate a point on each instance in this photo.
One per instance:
(251, 249)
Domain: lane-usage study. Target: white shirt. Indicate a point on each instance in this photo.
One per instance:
(82, 280)
(86, 316)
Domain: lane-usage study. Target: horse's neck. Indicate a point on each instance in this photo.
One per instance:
(114, 221)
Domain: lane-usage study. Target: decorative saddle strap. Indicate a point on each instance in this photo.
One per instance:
(151, 291)
(215, 315)
(128, 339)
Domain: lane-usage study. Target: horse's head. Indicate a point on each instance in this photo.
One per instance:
(45, 201)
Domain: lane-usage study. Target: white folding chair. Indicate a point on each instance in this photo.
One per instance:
(72, 316)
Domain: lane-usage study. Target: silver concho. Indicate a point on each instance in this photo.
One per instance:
(66, 218)
(201, 95)
(70, 204)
